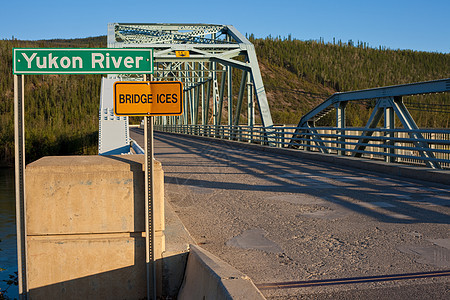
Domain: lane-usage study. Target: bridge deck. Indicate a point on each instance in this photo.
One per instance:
(278, 218)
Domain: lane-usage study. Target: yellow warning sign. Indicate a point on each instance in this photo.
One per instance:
(184, 53)
(148, 98)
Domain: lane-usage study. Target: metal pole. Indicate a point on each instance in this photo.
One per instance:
(229, 71)
(240, 97)
(221, 96)
(149, 207)
(230, 99)
(19, 139)
(340, 123)
(389, 123)
(202, 92)
(250, 108)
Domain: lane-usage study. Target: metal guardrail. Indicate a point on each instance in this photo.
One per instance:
(136, 149)
(412, 147)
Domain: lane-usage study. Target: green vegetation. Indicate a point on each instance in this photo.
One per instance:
(62, 111)
(298, 75)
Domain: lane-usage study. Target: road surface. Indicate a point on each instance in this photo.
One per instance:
(283, 219)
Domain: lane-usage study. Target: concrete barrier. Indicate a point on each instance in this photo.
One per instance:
(176, 253)
(86, 228)
(208, 277)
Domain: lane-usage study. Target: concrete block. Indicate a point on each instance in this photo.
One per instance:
(94, 266)
(90, 194)
(208, 277)
(86, 227)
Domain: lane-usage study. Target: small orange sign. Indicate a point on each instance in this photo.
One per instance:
(182, 53)
(148, 98)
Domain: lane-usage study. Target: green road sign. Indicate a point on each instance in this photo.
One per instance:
(82, 61)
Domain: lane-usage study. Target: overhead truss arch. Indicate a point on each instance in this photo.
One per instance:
(218, 57)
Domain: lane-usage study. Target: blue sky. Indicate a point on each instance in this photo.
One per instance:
(395, 24)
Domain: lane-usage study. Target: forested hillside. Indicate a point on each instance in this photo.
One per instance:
(299, 73)
(62, 111)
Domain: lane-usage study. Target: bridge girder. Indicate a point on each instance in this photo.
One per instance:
(218, 55)
(388, 104)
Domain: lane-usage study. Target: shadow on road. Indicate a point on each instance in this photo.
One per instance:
(386, 198)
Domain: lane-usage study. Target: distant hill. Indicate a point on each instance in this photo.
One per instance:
(300, 74)
(62, 111)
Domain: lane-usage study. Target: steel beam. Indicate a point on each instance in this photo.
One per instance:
(260, 92)
(208, 96)
(250, 104)
(373, 121)
(240, 98)
(230, 96)
(408, 122)
(221, 97)
(426, 87)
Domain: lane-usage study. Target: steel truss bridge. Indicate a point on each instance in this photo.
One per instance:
(217, 56)
(219, 71)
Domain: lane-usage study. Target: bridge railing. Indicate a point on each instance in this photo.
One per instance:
(425, 147)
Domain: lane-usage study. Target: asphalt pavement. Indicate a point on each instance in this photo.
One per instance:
(303, 229)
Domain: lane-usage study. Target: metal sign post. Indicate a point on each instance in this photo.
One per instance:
(66, 61)
(149, 98)
(149, 207)
(167, 99)
(19, 140)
